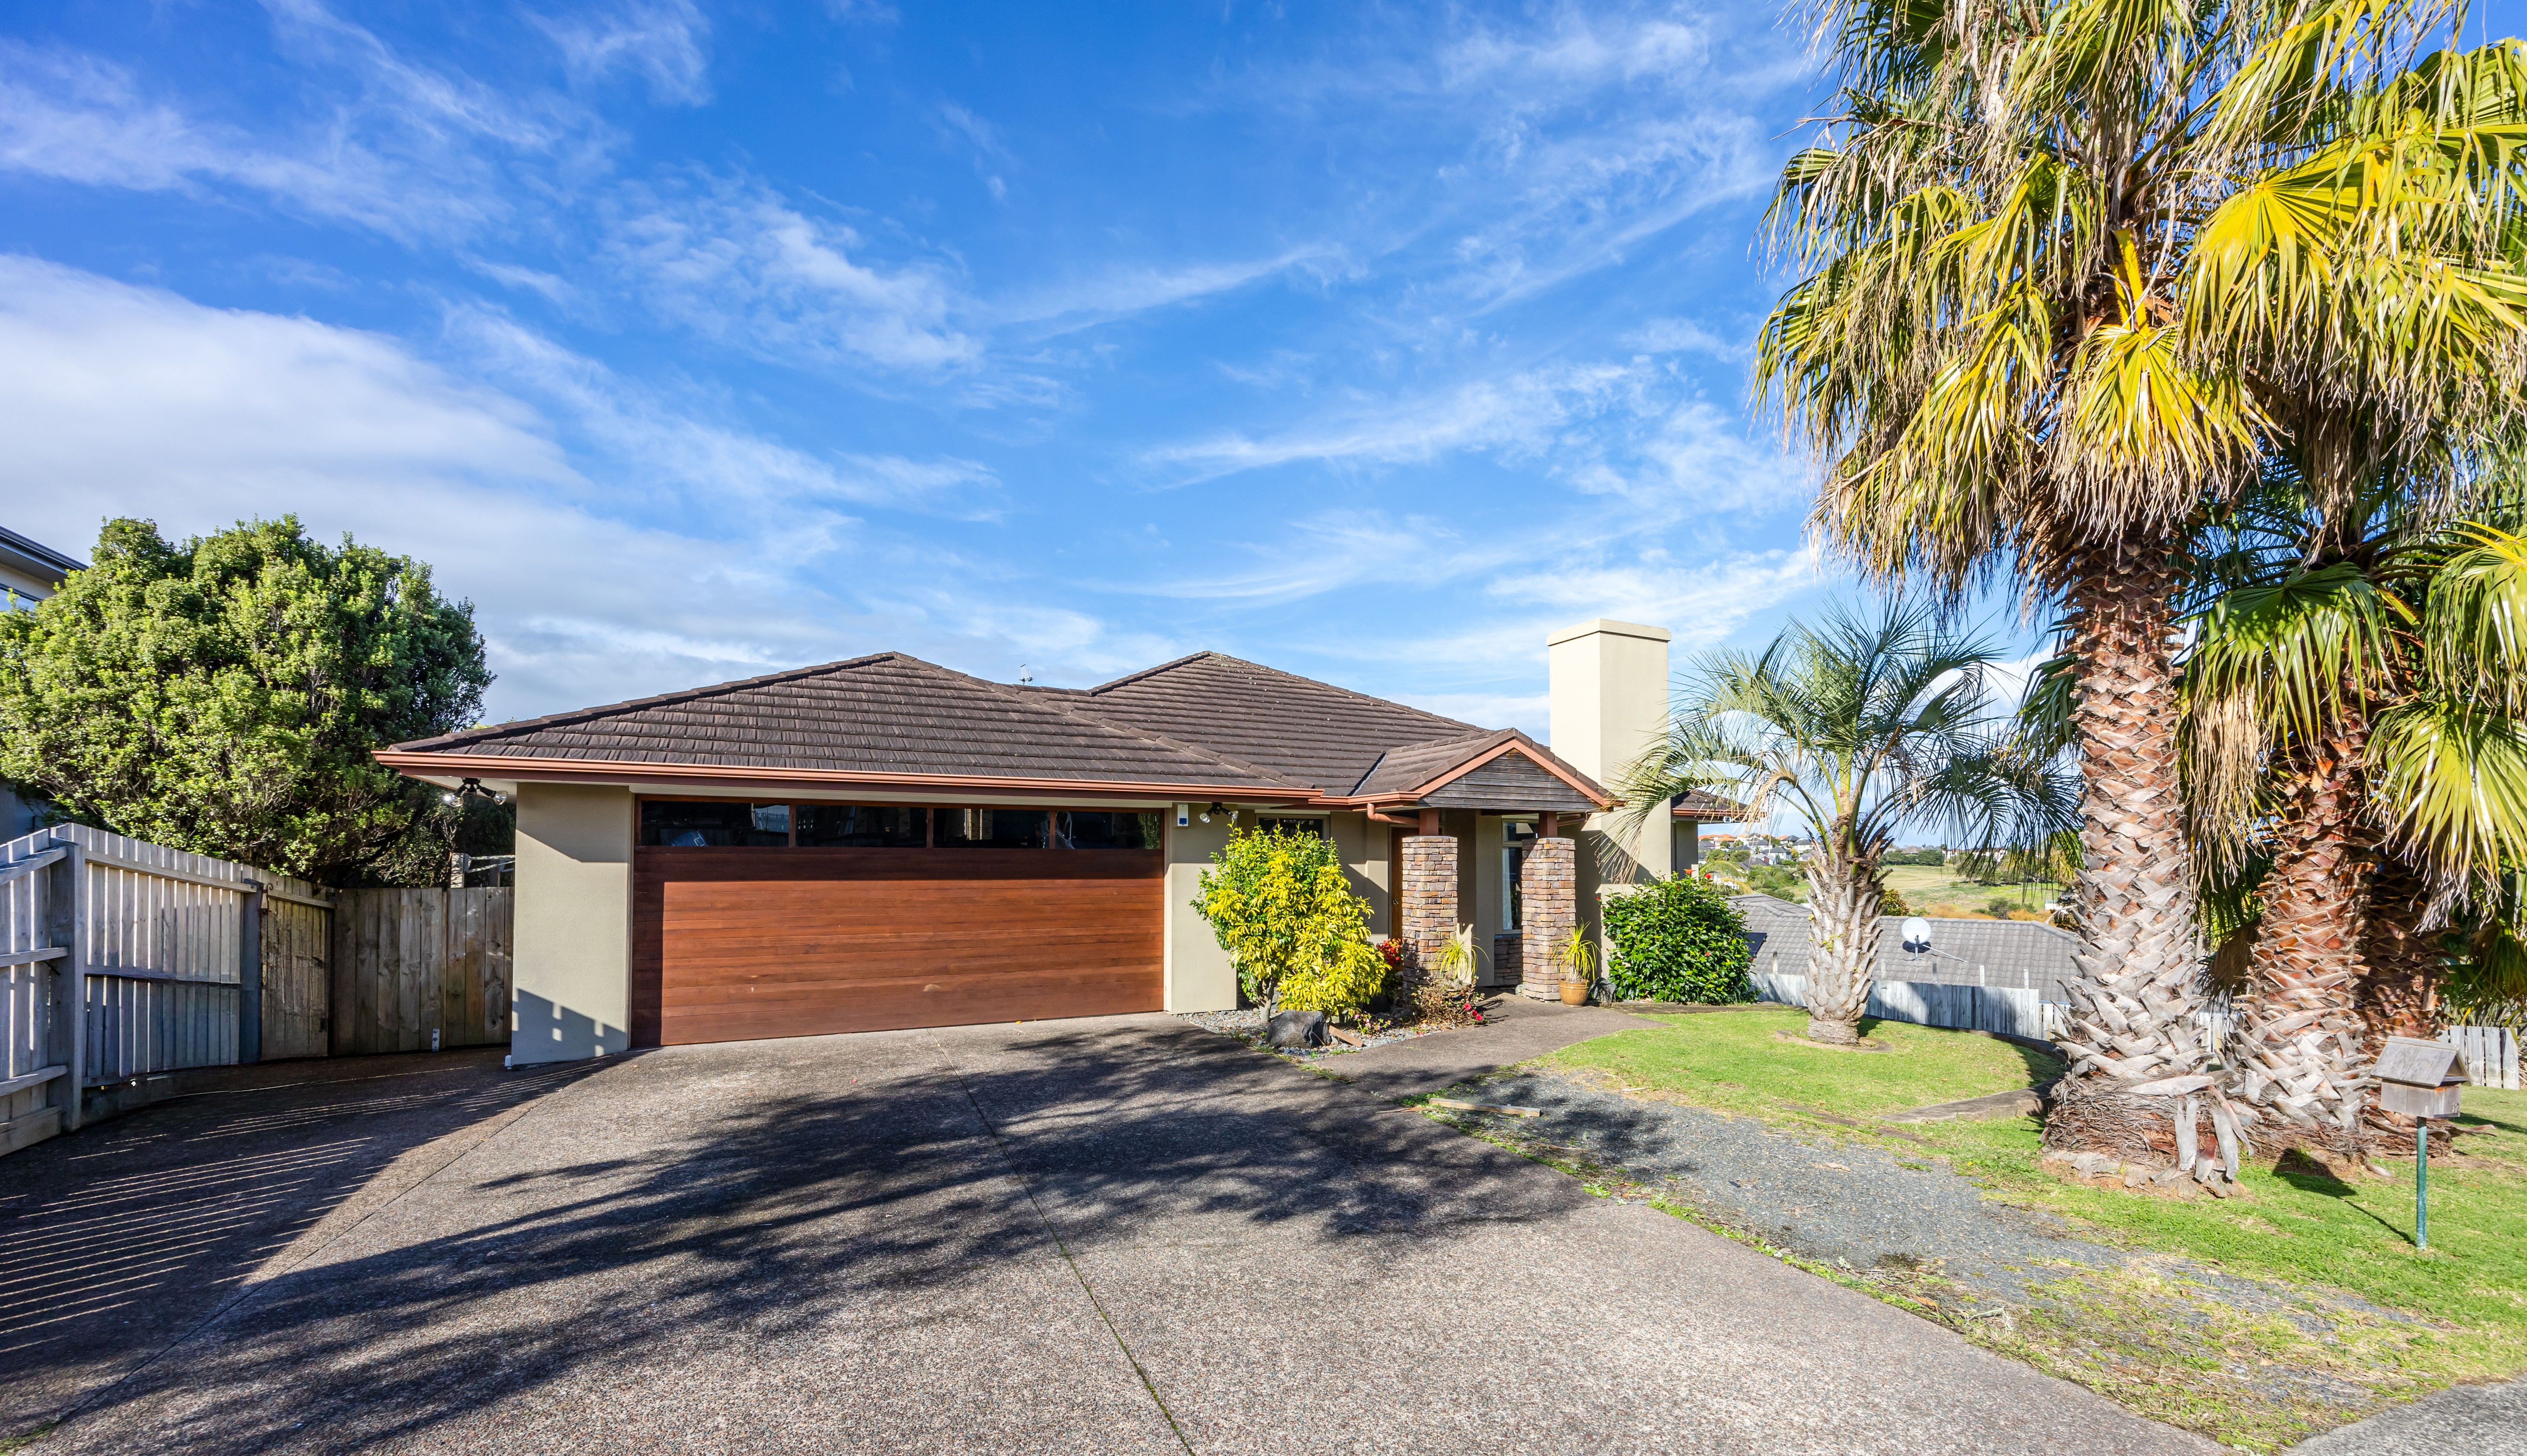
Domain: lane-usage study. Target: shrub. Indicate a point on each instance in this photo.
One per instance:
(1893, 904)
(1290, 922)
(1679, 940)
(1340, 984)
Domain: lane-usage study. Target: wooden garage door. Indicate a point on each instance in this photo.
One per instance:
(734, 944)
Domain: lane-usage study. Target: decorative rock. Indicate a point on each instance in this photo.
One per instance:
(1297, 1029)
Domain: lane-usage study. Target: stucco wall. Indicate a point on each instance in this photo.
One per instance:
(1200, 977)
(573, 944)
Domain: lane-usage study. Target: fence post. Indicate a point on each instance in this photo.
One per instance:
(251, 975)
(74, 980)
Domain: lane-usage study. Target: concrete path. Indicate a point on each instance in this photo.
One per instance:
(2468, 1421)
(1118, 1235)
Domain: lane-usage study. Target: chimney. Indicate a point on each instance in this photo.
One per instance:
(1609, 704)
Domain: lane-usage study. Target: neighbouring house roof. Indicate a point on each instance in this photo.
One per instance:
(1207, 725)
(2020, 953)
(32, 567)
(1706, 807)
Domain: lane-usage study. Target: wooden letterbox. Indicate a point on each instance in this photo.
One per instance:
(2420, 1078)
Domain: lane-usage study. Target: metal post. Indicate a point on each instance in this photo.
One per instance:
(251, 975)
(2422, 1182)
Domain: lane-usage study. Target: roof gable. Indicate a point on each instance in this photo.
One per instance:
(1294, 727)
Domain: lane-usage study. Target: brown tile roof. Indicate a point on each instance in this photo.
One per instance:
(1305, 731)
(887, 713)
(1707, 807)
(1206, 720)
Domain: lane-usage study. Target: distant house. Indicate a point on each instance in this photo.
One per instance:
(29, 572)
(2020, 954)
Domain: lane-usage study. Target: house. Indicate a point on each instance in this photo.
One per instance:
(29, 572)
(884, 843)
(1690, 812)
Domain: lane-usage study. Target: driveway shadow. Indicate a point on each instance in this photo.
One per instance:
(707, 1207)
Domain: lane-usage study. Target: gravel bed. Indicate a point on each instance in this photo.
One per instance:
(1828, 1202)
(1246, 1025)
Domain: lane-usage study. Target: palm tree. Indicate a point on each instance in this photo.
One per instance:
(2067, 260)
(2351, 709)
(1857, 728)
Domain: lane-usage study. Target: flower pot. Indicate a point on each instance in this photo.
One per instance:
(1574, 993)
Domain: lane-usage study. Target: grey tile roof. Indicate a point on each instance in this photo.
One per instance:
(887, 713)
(2019, 954)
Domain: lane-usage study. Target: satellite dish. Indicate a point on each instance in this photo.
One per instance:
(1917, 936)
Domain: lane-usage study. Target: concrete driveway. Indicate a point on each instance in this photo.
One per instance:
(1112, 1235)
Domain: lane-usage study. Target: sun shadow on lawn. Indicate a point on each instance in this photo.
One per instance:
(826, 1208)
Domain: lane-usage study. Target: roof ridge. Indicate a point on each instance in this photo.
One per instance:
(1103, 725)
(491, 731)
(1354, 693)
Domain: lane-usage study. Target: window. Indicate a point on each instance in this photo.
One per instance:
(715, 824)
(863, 826)
(1103, 829)
(1512, 897)
(1315, 827)
(990, 828)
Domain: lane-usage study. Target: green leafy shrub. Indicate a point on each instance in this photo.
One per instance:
(1297, 933)
(1679, 940)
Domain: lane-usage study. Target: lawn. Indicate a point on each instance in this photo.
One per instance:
(1931, 889)
(2340, 1313)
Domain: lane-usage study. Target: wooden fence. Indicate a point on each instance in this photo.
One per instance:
(121, 959)
(2490, 1054)
(416, 970)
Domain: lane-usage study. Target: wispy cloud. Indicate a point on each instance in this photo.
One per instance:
(665, 42)
(730, 259)
(1122, 291)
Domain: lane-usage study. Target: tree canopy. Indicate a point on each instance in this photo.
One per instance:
(224, 697)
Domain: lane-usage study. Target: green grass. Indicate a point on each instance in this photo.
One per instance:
(2151, 1335)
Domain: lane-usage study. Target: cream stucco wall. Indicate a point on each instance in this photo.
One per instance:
(1609, 704)
(1198, 976)
(573, 947)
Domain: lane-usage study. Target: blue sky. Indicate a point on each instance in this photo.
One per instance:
(692, 341)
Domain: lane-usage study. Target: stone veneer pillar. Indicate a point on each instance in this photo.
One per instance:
(1429, 894)
(1548, 883)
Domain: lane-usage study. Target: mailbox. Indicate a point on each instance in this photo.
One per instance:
(2420, 1078)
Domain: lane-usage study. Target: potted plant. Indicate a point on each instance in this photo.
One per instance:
(1578, 957)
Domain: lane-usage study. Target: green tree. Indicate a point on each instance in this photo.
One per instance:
(223, 696)
(1857, 727)
(1290, 922)
(2073, 265)
(1679, 940)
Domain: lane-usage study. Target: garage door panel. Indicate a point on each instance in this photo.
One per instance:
(740, 944)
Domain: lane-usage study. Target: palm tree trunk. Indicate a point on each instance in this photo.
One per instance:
(2140, 963)
(2399, 985)
(2300, 1034)
(1843, 896)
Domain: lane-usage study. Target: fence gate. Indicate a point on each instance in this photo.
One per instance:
(411, 964)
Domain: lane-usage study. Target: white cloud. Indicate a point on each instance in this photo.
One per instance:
(1515, 414)
(734, 262)
(1136, 289)
(1684, 336)
(118, 401)
(679, 454)
(666, 42)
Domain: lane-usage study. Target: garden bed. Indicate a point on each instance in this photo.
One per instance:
(1246, 1023)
